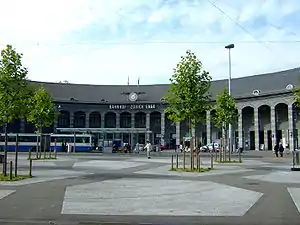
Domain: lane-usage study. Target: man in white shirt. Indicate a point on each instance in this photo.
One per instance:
(148, 147)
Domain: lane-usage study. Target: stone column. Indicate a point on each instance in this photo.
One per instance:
(208, 128)
(133, 126)
(256, 128)
(148, 126)
(87, 120)
(117, 120)
(132, 120)
(71, 119)
(22, 126)
(102, 125)
(273, 126)
(291, 126)
(177, 133)
(162, 128)
(266, 138)
(240, 128)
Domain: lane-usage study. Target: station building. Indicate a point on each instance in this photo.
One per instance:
(135, 113)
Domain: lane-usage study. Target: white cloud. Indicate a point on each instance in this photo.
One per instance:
(39, 30)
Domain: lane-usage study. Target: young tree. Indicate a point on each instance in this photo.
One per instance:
(226, 113)
(188, 96)
(42, 111)
(14, 96)
(296, 93)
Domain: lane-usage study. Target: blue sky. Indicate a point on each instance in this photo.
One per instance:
(105, 41)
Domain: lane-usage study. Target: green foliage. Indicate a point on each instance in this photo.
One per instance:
(296, 93)
(188, 93)
(226, 110)
(42, 111)
(14, 92)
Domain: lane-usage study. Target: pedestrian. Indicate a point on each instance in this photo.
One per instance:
(281, 149)
(276, 149)
(148, 147)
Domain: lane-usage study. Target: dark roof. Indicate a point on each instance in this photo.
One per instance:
(271, 83)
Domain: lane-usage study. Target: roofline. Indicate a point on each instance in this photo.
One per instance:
(147, 85)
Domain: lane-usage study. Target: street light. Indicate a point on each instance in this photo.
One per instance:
(229, 47)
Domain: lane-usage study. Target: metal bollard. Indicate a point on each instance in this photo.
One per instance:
(30, 167)
(10, 170)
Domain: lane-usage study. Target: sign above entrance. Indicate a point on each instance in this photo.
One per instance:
(132, 106)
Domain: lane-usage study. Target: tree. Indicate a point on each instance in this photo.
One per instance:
(14, 95)
(42, 111)
(187, 95)
(226, 113)
(296, 93)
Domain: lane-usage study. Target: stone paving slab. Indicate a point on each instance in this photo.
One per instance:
(158, 197)
(287, 177)
(295, 195)
(219, 170)
(4, 193)
(44, 176)
(107, 165)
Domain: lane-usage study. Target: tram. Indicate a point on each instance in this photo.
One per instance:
(58, 142)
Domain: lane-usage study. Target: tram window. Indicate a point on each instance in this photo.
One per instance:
(82, 140)
(27, 138)
(2, 139)
(11, 139)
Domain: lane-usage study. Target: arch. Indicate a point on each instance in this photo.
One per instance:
(140, 120)
(247, 106)
(94, 119)
(79, 119)
(125, 119)
(281, 104)
(64, 119)
(110, 120)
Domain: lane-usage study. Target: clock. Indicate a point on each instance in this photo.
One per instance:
(133, 97)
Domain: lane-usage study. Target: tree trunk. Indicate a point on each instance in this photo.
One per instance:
(40, 153)
(16, 155)
(5, 151)
(229, 143)
(183, 156)
(37, 147)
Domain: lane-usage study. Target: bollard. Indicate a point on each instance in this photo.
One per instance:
(177, 161)
(172, 168)
(29, 153)
(199, 163)
(10, 170)
(197, 160)
(211, 160)
(30, 167)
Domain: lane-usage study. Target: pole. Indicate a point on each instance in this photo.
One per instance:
(229, 91)
(5, 150)
(16, 155)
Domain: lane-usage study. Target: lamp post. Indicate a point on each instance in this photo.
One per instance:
(229, 47)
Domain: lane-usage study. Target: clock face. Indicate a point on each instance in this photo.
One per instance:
(133, 97)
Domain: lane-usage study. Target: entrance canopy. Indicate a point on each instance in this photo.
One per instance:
(106, 130)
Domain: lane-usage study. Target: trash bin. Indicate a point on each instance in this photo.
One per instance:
(1, 158)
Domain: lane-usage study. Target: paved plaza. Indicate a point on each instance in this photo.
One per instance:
(90, 189)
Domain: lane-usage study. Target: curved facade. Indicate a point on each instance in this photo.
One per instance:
(265, 103)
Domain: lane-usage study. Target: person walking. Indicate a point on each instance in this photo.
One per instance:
(148, 147)
(276, 149)
(281, 149)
